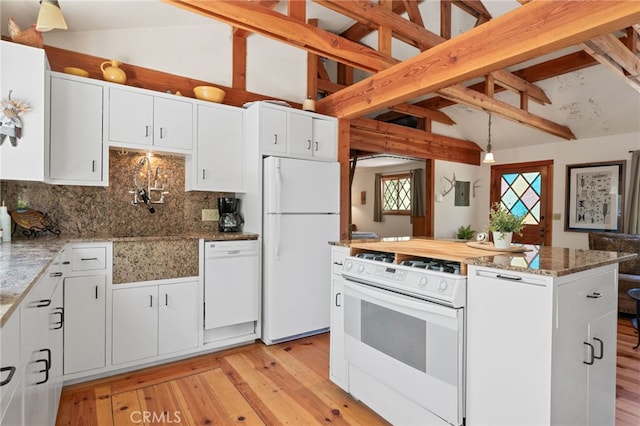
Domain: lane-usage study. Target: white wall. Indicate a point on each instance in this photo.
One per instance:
(202, 52)
(362, 214)
(448, 217)
(610, 148)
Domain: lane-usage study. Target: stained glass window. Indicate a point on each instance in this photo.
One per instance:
(520, 194)
(396, 194)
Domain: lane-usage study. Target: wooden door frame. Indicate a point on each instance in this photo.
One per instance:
(547, 190)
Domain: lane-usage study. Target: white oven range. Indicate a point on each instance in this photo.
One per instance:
(404, 337)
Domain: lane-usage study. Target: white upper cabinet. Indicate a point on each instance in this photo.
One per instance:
(24, 75)
(217, 163)
(76, 153)
(289, 132)
(139, 119)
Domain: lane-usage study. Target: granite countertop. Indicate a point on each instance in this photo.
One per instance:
(23, 261)
(538, 260)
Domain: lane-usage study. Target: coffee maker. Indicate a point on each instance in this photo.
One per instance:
(230, 218)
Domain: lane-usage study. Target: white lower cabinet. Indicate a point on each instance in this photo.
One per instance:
(154, 320)
(541, 350)
(85, 317)
(337, 362)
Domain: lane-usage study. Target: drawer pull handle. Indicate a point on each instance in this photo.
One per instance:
(594, 295)
(88, 258)
(601, 348)
(150, 301)
(55, 274)
(338, 299)
(337, 263)
(590, 346)
(12, 370)
(166, 299)
(60, 311)
(96, 292)
(47, 366)
(507, 277)
(275, 138)
(42, 303)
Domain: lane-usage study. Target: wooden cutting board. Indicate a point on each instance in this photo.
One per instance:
(447, 250)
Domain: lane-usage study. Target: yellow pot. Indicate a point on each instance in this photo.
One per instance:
(113, 73)
(209, 93)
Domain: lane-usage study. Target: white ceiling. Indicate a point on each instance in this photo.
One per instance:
(592, 102)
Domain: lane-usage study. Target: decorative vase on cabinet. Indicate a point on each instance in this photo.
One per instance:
(113, 72)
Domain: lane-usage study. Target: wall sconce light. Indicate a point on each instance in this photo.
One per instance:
(488, 157)
(50, 16)
(363, 197)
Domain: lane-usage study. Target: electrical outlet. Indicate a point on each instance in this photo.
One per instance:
(210, 214)
(556, 216)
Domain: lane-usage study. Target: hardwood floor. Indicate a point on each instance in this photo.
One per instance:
(265, 385)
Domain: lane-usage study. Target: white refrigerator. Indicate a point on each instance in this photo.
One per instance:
(301, 215)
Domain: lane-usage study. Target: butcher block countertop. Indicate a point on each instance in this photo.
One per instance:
(539, 260)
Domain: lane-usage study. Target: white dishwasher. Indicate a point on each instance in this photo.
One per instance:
(231, 283)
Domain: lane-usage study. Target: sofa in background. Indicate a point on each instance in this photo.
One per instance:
(629, 271)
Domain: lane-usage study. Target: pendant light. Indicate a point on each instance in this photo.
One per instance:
(50, 16)
(488, 157)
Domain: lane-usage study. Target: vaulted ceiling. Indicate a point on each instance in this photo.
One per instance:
(546, 70)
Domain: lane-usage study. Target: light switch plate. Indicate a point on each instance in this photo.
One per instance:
(556, 216)
(210, 214)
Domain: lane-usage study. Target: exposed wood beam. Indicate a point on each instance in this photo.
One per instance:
(264, 21)
(359, 30)
(239, 60)
(479, 100)
(613, 54)
(516, 84)
(502, 42)
(413, 12)
(385, 32)
(445, 19)
(475, 8)
(328, 86)
(312, 69)
(375, 136)
(379, 16)
(542, 71)
(297, 9)
(420, 112)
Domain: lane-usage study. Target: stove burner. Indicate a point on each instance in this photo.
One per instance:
(434, 265)
(380, 257)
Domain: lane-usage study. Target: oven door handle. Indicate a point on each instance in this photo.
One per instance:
(402, 302)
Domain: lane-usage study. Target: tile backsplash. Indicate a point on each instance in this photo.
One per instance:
(91, 211)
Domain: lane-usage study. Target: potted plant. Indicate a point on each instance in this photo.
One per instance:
(503, 224)
(465, 233)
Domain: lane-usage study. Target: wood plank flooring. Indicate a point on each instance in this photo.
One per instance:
(265, 385)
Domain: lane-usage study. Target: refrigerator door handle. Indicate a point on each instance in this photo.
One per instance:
(278, 191)
(276, 252)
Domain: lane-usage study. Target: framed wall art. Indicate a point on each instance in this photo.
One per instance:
(595, 197)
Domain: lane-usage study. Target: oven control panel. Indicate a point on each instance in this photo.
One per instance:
(442, 287)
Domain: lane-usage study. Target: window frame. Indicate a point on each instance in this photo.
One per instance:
(396, 176)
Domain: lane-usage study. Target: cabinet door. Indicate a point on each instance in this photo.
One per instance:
(602, 374)
(324, 139)
(337, 362)
(56, 330)
(231, 290)
(10, 366)
(130, 117)
(135, 323)
(22, 70)
(36, 350)
(173, 124)
(220, 153)
(273, 129)
(76, 131)
(178, 317)
(85, 323)
(300, 134)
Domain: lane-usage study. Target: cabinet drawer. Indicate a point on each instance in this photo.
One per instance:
(338, 255)
(10, 370)
(587, 298)
(88, 258)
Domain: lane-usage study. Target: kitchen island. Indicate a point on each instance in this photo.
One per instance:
(536, 332)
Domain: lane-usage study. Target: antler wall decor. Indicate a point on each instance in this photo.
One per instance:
(475, 185)
(451, 185)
